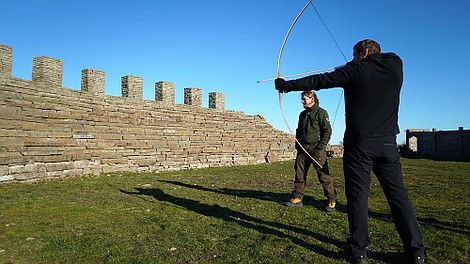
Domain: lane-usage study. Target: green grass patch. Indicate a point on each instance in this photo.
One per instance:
(222, 215)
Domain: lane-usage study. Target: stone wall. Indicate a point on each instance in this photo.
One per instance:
(48, 131)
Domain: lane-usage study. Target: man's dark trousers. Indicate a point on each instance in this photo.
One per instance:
(381, 156)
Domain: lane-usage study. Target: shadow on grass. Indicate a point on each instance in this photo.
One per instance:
(280, 198)
(229, 215)
(261, 195)
(271, 228)
(462, 229)
(385, 257)
(452, 227)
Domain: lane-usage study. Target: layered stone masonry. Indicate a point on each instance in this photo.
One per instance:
(48, 131)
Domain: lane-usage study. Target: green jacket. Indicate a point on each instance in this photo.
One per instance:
(314, 129)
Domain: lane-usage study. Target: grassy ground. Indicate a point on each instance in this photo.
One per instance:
(222, 215)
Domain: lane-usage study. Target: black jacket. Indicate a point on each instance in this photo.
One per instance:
(371, 91)
(314, 129)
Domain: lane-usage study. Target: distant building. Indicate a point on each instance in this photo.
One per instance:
(437, 144)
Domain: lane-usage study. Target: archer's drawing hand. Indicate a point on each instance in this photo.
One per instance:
(281, 85)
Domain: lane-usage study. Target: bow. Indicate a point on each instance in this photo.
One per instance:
(280, 76)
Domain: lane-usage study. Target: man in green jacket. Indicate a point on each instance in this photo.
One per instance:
(313, 133)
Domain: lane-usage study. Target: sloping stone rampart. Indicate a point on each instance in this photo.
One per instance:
(48, 131)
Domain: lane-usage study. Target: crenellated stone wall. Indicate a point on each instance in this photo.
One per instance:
(48, 131)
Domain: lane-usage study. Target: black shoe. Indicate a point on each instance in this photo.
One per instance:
(415, 257)
(418, 260)
(350, 257)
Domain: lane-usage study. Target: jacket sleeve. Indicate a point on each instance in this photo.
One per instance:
(338, 78)
(325, 131)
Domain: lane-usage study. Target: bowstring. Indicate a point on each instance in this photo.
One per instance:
(340, 50)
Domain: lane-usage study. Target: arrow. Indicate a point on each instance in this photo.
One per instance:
(297, 74)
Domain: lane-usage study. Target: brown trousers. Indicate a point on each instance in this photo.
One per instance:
(301, 166)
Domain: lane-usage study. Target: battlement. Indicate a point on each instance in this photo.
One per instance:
(48, 72)
(48, 131)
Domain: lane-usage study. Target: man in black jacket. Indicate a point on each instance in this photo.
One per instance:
(372, 82)
(313, 132)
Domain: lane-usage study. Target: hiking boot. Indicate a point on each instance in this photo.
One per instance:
(330, 207)
(295, 202)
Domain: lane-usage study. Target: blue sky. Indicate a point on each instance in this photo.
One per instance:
(226, 46)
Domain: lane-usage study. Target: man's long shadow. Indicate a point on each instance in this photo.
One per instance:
(463, 229)
(229, 215)
(276, 197)
(279, 198)
(261, 195)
